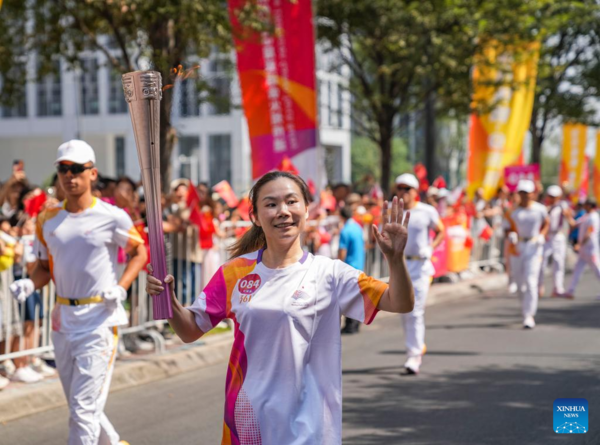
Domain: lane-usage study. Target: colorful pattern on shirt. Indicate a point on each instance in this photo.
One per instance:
(284, 375)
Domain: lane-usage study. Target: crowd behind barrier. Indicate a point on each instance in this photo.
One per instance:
(201, 225)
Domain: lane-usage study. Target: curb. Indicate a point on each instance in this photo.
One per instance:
(27, 400)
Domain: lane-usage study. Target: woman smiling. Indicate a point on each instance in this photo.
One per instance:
(284, 380)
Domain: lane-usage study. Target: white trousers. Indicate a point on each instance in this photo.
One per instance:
(414, 322)
(556, 249)
(85, 363)
(587, 257)
(526, 271)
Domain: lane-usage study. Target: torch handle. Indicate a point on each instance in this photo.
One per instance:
(161, 303)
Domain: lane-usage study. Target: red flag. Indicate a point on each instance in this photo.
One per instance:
(286, 166)
(243, 208)
(192, 202)
(421, 174)
(225, 191)
(439, 182)
(311, 187)
(34, 204)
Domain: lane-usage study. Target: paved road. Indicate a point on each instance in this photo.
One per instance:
(484, 381)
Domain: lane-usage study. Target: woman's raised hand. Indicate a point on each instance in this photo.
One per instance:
(394, 232)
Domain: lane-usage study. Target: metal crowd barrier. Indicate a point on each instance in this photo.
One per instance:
(181, 249)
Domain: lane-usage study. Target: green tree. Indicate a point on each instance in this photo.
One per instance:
(156, 34)
(568, 70)
(366, 158)
(404, 53)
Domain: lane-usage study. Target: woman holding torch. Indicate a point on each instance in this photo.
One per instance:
(284, 376)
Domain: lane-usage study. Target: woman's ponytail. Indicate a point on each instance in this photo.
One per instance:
(254, 239)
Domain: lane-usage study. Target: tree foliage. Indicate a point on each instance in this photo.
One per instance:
(147, 34)
(401, 51)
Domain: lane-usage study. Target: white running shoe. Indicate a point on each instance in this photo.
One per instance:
(26, 375)
(529, 322)
(512, 288)
(3, 382)
(40, 366)
(412, 365)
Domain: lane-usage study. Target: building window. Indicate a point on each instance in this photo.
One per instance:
(340, 106)
(120, 155)
(189, 100)
(189, 157)
(88, 82)
(49, 94)
(333, 106)
(116, 98)
(219, 153)
(220, 83)
(19, 109)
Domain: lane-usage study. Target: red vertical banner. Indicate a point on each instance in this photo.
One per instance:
(596, 173)
(277, 76)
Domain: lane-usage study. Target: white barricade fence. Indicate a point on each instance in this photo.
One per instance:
(185, 260)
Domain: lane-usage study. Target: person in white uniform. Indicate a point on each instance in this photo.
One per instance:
(419, 248)
(284, 379)
(527, 226)
(76, 244)
(589, 250)
(555, 247)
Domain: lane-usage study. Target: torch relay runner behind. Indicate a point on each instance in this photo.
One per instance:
(76, 244)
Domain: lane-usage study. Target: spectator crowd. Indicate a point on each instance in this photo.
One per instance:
(200, 222)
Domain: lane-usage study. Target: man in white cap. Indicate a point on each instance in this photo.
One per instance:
(76, 244)
(419, 248)
(555, 247)
(589, 248)
(527, 226)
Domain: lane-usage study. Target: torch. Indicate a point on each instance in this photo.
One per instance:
(143, 92)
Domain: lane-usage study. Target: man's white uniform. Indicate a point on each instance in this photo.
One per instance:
(423, 218)
(82, 251)
(589, 253)
(556, 246)
(525, 266)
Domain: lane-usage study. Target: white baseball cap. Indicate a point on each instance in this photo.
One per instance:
(525, 185)
(408, 179)
(76, 151)
(554, 191)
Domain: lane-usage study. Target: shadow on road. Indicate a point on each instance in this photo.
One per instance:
(488, 406)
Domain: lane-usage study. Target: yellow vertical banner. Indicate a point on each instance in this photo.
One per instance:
(505, 84)
(597, 168)
(573, 158)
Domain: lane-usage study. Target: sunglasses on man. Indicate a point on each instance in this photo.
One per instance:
(403, 188)
(76, 169)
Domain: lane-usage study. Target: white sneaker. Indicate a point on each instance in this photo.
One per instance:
(512, 288)
(26, 375)
(3, 382)
(40, 366)
(412, 365)
(529, 322)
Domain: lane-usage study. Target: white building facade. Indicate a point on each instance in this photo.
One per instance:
(213, 142)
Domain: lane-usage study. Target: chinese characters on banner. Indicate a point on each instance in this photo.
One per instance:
(573, 158)
(496, 138)
(277, 76)
(513, 174)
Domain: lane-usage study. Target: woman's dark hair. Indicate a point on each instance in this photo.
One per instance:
(254, 239)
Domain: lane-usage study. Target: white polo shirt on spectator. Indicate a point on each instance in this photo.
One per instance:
(423, 219)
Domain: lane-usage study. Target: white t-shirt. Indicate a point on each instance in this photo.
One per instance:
(82, 251)
(556, 216)
(423, 218)
(284, 379)
(590, 224)
(527, 220)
